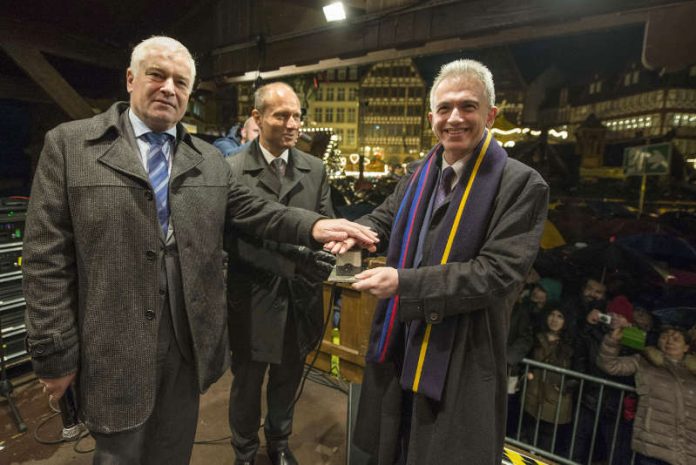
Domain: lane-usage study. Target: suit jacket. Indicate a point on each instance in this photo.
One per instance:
(263, 283)
(93, 255)
(468, 424)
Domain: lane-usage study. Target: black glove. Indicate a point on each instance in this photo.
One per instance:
(312, 265)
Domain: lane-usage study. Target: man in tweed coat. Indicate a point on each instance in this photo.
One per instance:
(125, 281)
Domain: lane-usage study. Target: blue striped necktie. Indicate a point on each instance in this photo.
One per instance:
(158, 171)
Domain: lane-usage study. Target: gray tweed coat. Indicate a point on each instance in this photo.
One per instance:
(92, 256)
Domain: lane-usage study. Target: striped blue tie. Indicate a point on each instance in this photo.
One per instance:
(158, 170)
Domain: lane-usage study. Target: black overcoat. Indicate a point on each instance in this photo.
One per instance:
(467, 426)
(263, 283)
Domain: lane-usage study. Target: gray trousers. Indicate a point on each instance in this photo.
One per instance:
(167, 436)
(245, 398)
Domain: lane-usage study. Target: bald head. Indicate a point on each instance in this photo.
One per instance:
(250, 130)
(278, 114)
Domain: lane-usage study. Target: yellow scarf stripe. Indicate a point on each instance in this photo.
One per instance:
(448, 248)
(465, 197)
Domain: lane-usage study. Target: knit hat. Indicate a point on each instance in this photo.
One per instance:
(553, 288)
(621, 306)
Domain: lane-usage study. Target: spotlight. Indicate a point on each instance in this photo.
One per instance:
(334, 12)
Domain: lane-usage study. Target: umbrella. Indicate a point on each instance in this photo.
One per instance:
(573, 264)
(674, 250)
(604, 258)
(681, 317)
(551, 237)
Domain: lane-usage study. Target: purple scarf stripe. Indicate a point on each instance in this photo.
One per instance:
(388, 340)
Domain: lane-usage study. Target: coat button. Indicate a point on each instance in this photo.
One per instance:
(149, 314)
(162, 292)
(39, 349)
(150, 255)
(433, 316)
(148, 194)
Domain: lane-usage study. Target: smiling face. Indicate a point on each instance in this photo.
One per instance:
(673, 344)
(160, 87)
(460, 114)
(594, 291)
(279, 120)
(555, 321)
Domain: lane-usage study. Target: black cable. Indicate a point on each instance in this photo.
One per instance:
(318, 346)
(40, 425)
(310, 367)
(56, 412)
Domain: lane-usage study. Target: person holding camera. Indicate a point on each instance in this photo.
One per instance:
(588, 339)
(664, 428)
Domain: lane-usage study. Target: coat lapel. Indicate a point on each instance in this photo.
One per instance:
(294, 173)
(185, 159)
(122, 154)
(255, 163)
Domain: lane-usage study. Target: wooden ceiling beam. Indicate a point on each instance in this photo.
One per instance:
(412, 28)
(49, 79)
(61, 43)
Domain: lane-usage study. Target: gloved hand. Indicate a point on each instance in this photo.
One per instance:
(312, 265)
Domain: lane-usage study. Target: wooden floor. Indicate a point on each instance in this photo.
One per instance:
(318, 439)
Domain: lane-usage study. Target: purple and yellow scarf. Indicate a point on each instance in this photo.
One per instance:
(424, 356)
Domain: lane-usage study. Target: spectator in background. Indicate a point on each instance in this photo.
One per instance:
(233, 143)
(644, 320)
(588, 339)
(592, 296)
(546, 390)
(664, 429)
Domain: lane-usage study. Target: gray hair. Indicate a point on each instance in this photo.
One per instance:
(262, 93)
(141, 50)
(463, 69)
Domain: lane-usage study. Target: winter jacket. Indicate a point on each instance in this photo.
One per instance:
(665, 424)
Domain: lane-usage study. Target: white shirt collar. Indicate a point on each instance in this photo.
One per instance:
(268, 156)
(140, 128)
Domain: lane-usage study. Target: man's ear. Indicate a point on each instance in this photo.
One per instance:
(129, 80)
(256, 114)
(490, 118)
(430, 118)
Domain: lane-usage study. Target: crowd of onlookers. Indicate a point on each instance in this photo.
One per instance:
(599, 332)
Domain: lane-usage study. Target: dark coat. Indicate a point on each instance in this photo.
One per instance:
(468, 425)
(93, 255)
(544, 390)
(263, 283)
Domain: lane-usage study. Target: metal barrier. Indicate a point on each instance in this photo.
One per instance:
(528, 426)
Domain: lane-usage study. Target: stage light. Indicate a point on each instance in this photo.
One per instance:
(334, 12)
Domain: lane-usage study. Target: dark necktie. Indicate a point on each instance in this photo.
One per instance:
(158, 171)
(444, 187)
(278, 166)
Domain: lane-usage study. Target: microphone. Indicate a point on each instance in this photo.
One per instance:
(68, 413)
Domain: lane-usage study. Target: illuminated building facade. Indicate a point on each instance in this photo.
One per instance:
(636, 103)
(392, 111)
(334, 104)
